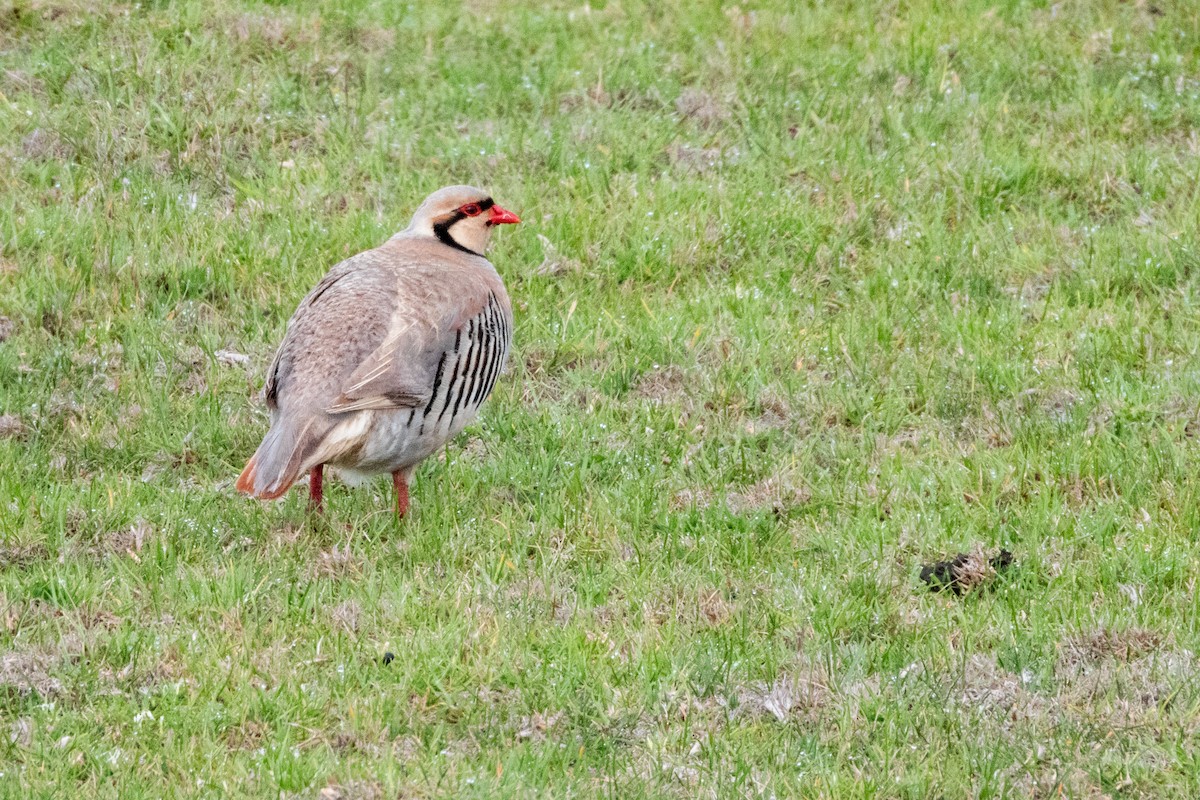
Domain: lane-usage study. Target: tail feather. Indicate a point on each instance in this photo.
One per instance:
(245, 481)
(279, 461)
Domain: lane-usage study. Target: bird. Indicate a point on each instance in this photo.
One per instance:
(389, 356)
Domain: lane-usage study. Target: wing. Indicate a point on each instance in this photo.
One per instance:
(426, 330)
(339, 324)
(374, 333)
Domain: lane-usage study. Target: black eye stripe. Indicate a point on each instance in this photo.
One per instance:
(442, 229)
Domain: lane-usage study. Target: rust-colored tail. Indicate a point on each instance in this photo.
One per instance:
(245, 482)
(279, 461)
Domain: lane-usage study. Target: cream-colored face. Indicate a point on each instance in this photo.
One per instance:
(461, 217)
(469, 225)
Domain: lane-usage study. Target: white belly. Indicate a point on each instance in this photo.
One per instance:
(394, 440)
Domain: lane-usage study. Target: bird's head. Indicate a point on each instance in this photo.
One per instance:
(461, 217)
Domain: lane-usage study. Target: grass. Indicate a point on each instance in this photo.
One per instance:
(807, 295)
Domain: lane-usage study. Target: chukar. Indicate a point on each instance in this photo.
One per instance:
(390, 355)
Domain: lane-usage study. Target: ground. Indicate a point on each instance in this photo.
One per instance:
(808, 295)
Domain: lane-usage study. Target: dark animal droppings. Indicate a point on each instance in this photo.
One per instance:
(962, 572)
(1001, 560)
(388, 657)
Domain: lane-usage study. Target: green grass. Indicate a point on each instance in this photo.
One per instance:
(828, 291)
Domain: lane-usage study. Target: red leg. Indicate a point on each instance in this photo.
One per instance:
(316, 492)
(400, 481)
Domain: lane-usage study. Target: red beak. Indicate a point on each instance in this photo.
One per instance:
(502, 216)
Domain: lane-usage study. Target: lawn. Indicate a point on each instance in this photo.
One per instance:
(807, 295)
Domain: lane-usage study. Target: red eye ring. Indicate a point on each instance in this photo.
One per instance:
(471, 210)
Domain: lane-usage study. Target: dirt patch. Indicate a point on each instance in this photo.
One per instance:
(129, 541)
(195, 382)
(778, 493)
(988, 428)
(81, 85)
(248, 735)
(774, 413)
(907, 440)
(163, 461)
(346, 742)
(1051, 782)
(596, 96)
(713, 607)
(790, 696)
(46, 145)
(700, 160)
(1032, 291)
(7, 326)
(562, 609)
(1102, 643)
(1056, 403)
(15, 81)
(702, 107)
(571, 102)
(133, 679)
(353, 790)
(16, 615)
(965, 571)
(1095, 686)
(345, 616)
(20, 732)
(336, 563)
(91, 616)
(29, 673)
(374, 39)
(1124, 693)
(707, 607)
(11, 427)
(691, 498)
(23, 554)
(1098, 45)
(662, 385)
(527, 588)
(1084, 491)
(535, 726)
(553, 363)
(285, 534)
(278, 30)
(985, 686)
